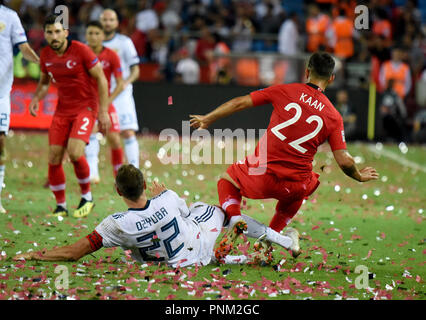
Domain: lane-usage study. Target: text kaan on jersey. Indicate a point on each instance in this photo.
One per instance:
(315, 104)
(153, 219)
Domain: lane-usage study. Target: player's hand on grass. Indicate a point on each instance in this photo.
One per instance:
(368, 173)
(26, 256)
(199, 121)
(33, 107)
(104, 122)
(156, 188)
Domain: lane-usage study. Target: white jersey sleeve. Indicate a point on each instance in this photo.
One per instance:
(130, 54)
(18, 35)
(112, 235)
(181, 204)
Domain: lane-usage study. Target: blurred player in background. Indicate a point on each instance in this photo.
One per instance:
(11, 34)
(124, 102)
(111, 65)
(82, 91)
(281, 168)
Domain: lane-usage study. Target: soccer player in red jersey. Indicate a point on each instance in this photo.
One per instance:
(281, 167)
(110, 62)
(82, 90)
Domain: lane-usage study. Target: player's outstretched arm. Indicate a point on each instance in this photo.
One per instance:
(71, 252)
(40, 93)
(347, 163)
(224, 110)
(29, 53)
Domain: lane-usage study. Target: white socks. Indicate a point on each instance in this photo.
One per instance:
(2, 171)
(131, 149)
(92, 155)
(278, 238)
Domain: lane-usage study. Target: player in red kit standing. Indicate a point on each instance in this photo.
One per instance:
(82, 92)
(281, 167)
(110, 62)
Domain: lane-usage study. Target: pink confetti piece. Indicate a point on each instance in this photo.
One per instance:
(418, 279)
(170, 100)
(315, 227)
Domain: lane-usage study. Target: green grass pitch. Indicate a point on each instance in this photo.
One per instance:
(344, 224)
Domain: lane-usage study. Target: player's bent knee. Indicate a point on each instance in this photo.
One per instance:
(126, 134)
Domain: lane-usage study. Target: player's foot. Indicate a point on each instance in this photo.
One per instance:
(263, 250)
(227, 243)
(95, 179)
(60, 211)
(84, 208)
(2, 210)
(294, 235)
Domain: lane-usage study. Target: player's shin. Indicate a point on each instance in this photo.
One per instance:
(116, 159)
(229, 199)
(92, 155)
(82, 171)
(131, 148)
(56, 178)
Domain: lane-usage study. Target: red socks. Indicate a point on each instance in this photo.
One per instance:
(56, 178)
(229, 198)
(284, 212)
(116, 159)
(82, 171)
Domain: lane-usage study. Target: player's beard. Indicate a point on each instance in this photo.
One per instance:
(108, 33)
(57, 48)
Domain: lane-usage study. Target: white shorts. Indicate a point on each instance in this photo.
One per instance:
(126, 110)
(210, 220)
(5, 114)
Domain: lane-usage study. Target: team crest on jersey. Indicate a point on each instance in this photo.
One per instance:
(71, 64)
(105, 64)
(2, 26)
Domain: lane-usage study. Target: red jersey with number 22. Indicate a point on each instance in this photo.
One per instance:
(77, 90)
(303, 118)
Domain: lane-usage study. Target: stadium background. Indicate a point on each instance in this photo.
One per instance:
(201, 53)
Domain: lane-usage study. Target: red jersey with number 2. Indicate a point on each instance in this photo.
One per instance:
(77, 90)
(303, 118)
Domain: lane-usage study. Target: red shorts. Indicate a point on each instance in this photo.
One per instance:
(268, 185)
(79, 127)
(115, 125)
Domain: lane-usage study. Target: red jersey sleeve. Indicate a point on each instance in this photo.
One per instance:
(264, 96)
(336, 138)
(89, 57)
(116, 65)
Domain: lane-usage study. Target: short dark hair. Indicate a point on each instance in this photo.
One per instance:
(130, 182)
(95, 23)
(51, 19)
(321, 65)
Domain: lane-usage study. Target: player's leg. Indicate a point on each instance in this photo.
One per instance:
(131, 147)
(4, 129)
(114, 141)
(75, 150)
(56, 177)
(284, 212)
(2, 166)
(126, 111)
(58, 136)
(78, 139)
(92, 155)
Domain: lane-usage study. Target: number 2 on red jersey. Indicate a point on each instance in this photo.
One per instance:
(296, 144)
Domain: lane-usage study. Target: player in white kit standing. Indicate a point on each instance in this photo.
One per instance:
(124, 102)
(11, 34)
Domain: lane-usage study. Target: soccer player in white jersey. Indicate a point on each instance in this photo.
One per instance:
(160, 229)
(11, 34)
(124, 103)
